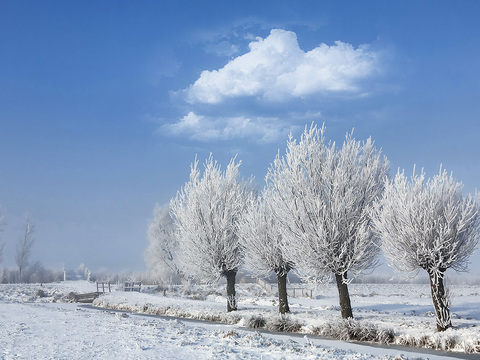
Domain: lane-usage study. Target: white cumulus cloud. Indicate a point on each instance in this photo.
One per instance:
(276, 69)
(250, 97)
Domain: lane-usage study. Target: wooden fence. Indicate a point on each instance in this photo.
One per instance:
(132, 286)
(291, 291)
(102, 285)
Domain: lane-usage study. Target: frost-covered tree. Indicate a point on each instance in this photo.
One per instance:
(321, 195)
(24, 247)
(206, 212)
(428, 224)
(86, 271)
(261, 237)
(161, 254)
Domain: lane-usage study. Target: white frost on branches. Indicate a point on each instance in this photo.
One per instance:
(206, 212)
(261, 237)
(86, 271)
(427, 224)
(321, 195)
(161, 255)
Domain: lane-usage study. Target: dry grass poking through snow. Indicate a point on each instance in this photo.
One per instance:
(378, 308)
(351, 329)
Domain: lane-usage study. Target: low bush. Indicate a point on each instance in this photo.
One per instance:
(351, 329)
(283, 323)
(255, 322)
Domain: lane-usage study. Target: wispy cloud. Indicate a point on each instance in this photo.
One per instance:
(222, 48)
(276, 69)
(206, 128)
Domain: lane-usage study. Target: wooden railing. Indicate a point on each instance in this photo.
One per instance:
(102, 285)
(132, 286)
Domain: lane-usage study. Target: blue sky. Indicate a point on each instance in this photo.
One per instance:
(104, 104)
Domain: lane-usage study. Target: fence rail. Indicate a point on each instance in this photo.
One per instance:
(295, 292)
(132, 286)
(102, 285)
(291, 291)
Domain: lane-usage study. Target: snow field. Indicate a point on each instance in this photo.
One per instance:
(35, 327)
(48, 331)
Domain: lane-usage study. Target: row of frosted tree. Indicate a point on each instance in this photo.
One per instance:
(326, 211)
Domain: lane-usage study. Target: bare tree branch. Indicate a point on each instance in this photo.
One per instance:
(2, 224)
(24, 246)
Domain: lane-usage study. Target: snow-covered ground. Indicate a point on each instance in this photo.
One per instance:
(36, 327)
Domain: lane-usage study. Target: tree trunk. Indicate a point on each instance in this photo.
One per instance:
(440, 301)
(231, 298)
(344, 296)
(282, 293)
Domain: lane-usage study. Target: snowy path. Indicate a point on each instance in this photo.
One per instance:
(69, 331)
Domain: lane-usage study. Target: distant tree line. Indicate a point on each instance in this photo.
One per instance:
(33, 273)
(325, 212)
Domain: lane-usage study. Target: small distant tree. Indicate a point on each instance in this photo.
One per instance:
(161, 254)
(86, 271)
(2, 223)
(35, 273)
(206, 212)
(261, 237)
(428, 224)
(24, 247)
(321, 195)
